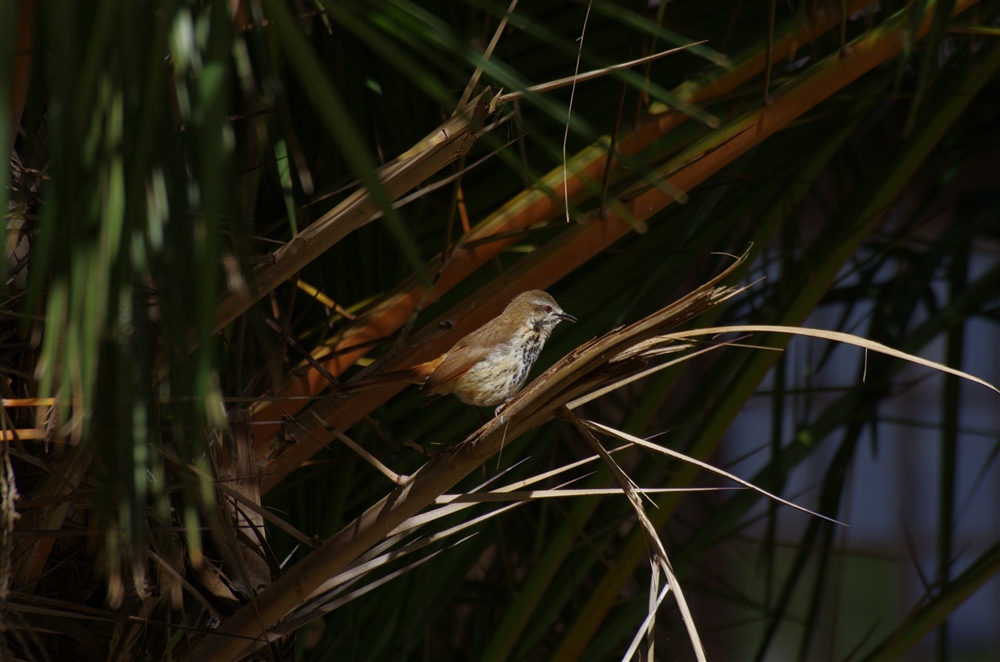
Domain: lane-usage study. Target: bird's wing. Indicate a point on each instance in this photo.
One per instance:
(467, 352)
(455, 364)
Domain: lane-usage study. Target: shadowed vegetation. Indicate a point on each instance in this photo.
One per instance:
(217, 210)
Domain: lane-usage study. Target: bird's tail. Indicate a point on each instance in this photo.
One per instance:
(417, 374)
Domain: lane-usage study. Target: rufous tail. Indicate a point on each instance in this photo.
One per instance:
(417, 374)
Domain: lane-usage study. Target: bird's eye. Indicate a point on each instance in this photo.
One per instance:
(548, 309)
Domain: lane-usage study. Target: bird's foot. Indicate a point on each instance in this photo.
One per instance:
(500, 408)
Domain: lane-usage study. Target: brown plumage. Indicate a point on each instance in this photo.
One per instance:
(491, 364)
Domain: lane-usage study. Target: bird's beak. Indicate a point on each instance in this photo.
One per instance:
(565, 316)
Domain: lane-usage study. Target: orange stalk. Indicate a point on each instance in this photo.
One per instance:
(284, 448)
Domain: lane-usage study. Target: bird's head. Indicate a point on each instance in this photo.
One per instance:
(537, 310)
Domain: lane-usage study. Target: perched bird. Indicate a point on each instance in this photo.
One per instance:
(490, 365)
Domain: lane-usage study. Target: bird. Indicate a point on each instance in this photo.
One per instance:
(487, 367)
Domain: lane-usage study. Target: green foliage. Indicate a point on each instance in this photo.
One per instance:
(181, 142)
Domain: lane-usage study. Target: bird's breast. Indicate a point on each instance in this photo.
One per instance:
(502, 373)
